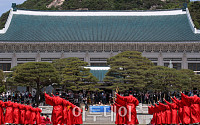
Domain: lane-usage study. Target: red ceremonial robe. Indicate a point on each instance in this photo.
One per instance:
(22, 114)
(153, 121)
(1, 112)
(186, 109)
(67, 113)
(9, 112)
(48, 121)
(195, 109)
(174, 115)
(180, 109)
(33, 115)
(28, 114)
(38, 118)
(151, 112)
(57, 113)
(43, 120)
(119, 110)
(158, 116)
(16, 113)
(77, 115)
(163, 112)
(131, 103)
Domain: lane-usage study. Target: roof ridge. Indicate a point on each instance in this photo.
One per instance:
(194, 29)
(99, 13)
(99, 10)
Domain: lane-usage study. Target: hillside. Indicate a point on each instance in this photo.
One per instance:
(194, 7)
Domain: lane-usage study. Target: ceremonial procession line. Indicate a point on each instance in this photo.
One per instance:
(65, 112)
(18, 114)
(184, 111)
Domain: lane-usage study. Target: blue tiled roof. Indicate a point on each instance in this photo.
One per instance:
(30, 28)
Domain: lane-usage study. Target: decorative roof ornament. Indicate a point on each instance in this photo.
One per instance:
(14, 6)
(184, 6)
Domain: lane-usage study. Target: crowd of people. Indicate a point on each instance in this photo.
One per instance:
(183, 111)
(90, 98)
(15, 113)
(20, 97)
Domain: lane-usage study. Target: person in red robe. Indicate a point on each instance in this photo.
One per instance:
(174, 109)
(162, 108)
(195, 109)
(9, 112)
(48, 120)
(33, 115)
(43, 120)
(22, 109)
(67, 112)
(131, 103)
(16, 113)
(38, 119)
(1, 112)
(57, 113)
(151, 112)
(180, 109)
(153, 121)
(28, 114)
(186, 109)
(118, 108)
(158, 115)
(77, 114)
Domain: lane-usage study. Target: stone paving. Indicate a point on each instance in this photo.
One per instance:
(106, 117)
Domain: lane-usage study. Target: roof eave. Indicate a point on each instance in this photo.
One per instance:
(194, 29)
(106, 42)
(7, 22)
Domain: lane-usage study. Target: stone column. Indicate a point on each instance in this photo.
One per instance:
(38, 59)
(87, 57)
(160, 59)
(184, 61)
(62, 55)
(14, 60)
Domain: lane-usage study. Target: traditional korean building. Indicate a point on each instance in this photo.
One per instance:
(94, 36)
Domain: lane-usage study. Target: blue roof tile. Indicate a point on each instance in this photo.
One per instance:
(168, 28)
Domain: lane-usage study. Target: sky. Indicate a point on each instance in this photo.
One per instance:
(5, 5)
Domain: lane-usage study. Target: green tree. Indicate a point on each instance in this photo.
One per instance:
(36, 75)
(165, 79)
(194, 79)
(73, 74)
(60, 65)
(2, 84)
(127, 70)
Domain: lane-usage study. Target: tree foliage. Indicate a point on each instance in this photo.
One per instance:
(74, 76)
(2, 84)
(194, 79)
(194, 8)
(36, 75)
(127, 70)
(166, 79)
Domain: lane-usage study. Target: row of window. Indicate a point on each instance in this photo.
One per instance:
(97, 59)
(192, 66)
(175, 59)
